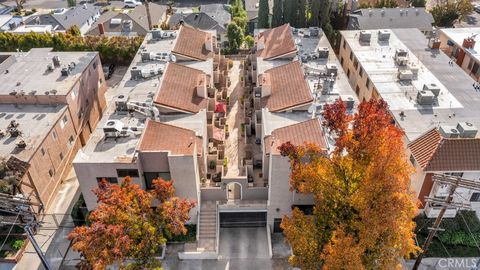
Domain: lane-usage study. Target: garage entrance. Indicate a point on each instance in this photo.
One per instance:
(243, 219)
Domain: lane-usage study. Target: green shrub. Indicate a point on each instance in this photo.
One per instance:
(17, 244)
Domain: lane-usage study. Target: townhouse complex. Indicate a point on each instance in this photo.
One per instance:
(50, 102)
(429, 97)
(183, 113)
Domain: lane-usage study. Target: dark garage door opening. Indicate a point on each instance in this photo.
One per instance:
(243, 219)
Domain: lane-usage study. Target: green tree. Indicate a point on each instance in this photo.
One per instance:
(263, 14)
(464, 8)
(249, 42)
(325, 12)
(419, 3)
(235, 37)
(74, 31)
(277, 17)
(445, 15)
(290, 12)
(71, 3)
(314, 19)
(239, 15)
(300, 20)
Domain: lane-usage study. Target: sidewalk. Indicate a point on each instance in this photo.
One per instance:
(55, 226)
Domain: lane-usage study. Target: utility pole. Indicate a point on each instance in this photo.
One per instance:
(453, 182)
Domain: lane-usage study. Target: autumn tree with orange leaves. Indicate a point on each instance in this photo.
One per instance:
(363, 211)
(125, 226)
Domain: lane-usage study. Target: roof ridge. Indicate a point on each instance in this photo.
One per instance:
(299, 123)
(172, 126)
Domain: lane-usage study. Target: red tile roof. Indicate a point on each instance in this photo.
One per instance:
(161, 137)
(178, 88)
(277, 41)
(309, 131)
(289, 88)
(191, 43)
(436, 153)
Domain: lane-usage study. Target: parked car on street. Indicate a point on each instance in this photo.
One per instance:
(131, 3)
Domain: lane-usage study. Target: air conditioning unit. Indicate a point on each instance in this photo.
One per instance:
(425, 97)
(145, 56)
(314, 31)
(332, 69)
(65, 71)
(467, 130)
(449, 131)
(433, 88)
(383, 35)
(401, 57)
(323, 53)
(157, 34)
(349, 101)
(414, 68)
(121, 103)
(136, 73)
(327, 86)
(113, 128)
(405, 75)
(365, 36)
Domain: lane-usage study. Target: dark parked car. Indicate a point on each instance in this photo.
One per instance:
(108, 70)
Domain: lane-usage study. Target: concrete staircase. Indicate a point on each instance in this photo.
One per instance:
(208, 227)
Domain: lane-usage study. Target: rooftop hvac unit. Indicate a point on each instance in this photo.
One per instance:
(56, 61)
(323, 53)
(365, 36)
(449, 131)
(349, 101)
(433, 88)
(127, 25)
(136, 73)
(113, 128)
(121, 103)
(434, 43)
(157, 34)
(405, 75)
(467, 130)
(401, 57)
(383, 35)
(414, 68)
(65, 71)
(425, 97)
(145, 56)
(327, 86)
(332, 69)
(314, 31)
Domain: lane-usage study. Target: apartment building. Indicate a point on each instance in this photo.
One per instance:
(181, 114)
(430, 98)
(460, 44)
(49, 104)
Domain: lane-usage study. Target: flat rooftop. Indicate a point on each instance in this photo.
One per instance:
(457, 101)
(29, 72)
(457, 35)
(123, 149)
(41, 117)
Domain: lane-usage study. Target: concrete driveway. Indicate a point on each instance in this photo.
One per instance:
(243, 243)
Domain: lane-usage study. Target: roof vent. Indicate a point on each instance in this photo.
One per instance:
(121, 103)
(12, 129)
(65, 71)
(21, 144)
(383, 12)
(467, 130)
(323, 53)
(56, 61)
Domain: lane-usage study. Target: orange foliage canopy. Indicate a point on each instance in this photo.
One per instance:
(126, 226)
(363, 205)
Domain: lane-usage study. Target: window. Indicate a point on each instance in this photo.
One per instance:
(111, 180)
(361, 72)
(470, 64)
(341, 60)
(412, 160)
(73, 94)
(94, 65)
(70, 140)
(344, 43)
(351, 56)
(456, 174)
(150, 176)
(355, 63)
(357, 90)
(475, 197)
(42, 151)
(348, 73)
(54, 135)
(64, 121)
(61, 156)
(51, 173)
(368, 83)
(127, 172)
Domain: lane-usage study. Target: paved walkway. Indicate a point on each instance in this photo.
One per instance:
(57, 223)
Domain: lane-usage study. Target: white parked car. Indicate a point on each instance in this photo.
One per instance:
(131, 3)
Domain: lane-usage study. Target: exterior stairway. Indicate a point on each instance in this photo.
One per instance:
(208, 227)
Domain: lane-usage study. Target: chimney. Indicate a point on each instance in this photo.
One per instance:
(468, 43)
(266, 85)
(101, 29)
(202, 86)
